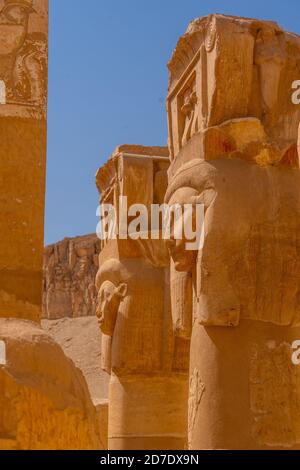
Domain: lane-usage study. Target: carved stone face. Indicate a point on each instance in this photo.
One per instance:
(183, 259)
(251, 236)
(16, 14)
(202, 193)
(13, 28)
(108, 301)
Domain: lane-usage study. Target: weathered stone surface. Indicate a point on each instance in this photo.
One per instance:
(218, 83)
(80, 339)
(227, 312)
(148, 387)
(23, 78)
(233, 144)
(44, 400)
(70, 268)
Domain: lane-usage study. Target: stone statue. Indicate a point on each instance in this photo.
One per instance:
(110, 296)
(242, 166)
(148, 387)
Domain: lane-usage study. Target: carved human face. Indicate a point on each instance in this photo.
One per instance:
(108, 301)
(13, 28)
(15, 14)
(251, 229)
(183, 258)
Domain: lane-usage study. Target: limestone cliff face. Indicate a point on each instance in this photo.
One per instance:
(70, 267)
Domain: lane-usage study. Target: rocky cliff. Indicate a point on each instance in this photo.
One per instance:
(69, 299)
(70, 267)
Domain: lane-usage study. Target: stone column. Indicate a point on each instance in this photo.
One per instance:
(148, 388)
(44, 399)
(239, 159)
(23, 79)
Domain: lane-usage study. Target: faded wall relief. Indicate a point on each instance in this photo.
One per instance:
(23, 56)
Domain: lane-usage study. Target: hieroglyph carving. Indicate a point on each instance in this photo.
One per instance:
(70, 269)
(197, 389)
(23, 55)
(189, 111)
(258, 64)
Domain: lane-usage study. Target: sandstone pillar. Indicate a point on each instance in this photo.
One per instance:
(44, 400)
(148, 388)
(233, 142)
(23, 78)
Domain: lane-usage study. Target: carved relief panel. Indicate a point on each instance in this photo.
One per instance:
(227, 68)
(23, 56)
(185, 105)
(200, 96)
(140, 178)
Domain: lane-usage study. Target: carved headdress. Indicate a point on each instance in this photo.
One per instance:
(28, 4)
(230, 92)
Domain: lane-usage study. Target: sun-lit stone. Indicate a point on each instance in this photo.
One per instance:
(233, 132)
(147, 363)
(44, 398)
(23, 75)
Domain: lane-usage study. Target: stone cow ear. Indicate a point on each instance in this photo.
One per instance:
(122, 290)
(206, 197)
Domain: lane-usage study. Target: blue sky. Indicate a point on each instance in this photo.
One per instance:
(107, 86)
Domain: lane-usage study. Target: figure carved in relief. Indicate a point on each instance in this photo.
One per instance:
(189, 112)
(14, 18)
(23, 56)
(109, 298)
(197, 389)
(16, 12)
(245, 278)
(269, 56)
(29, 76)
(70, 269)
(131, 315)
